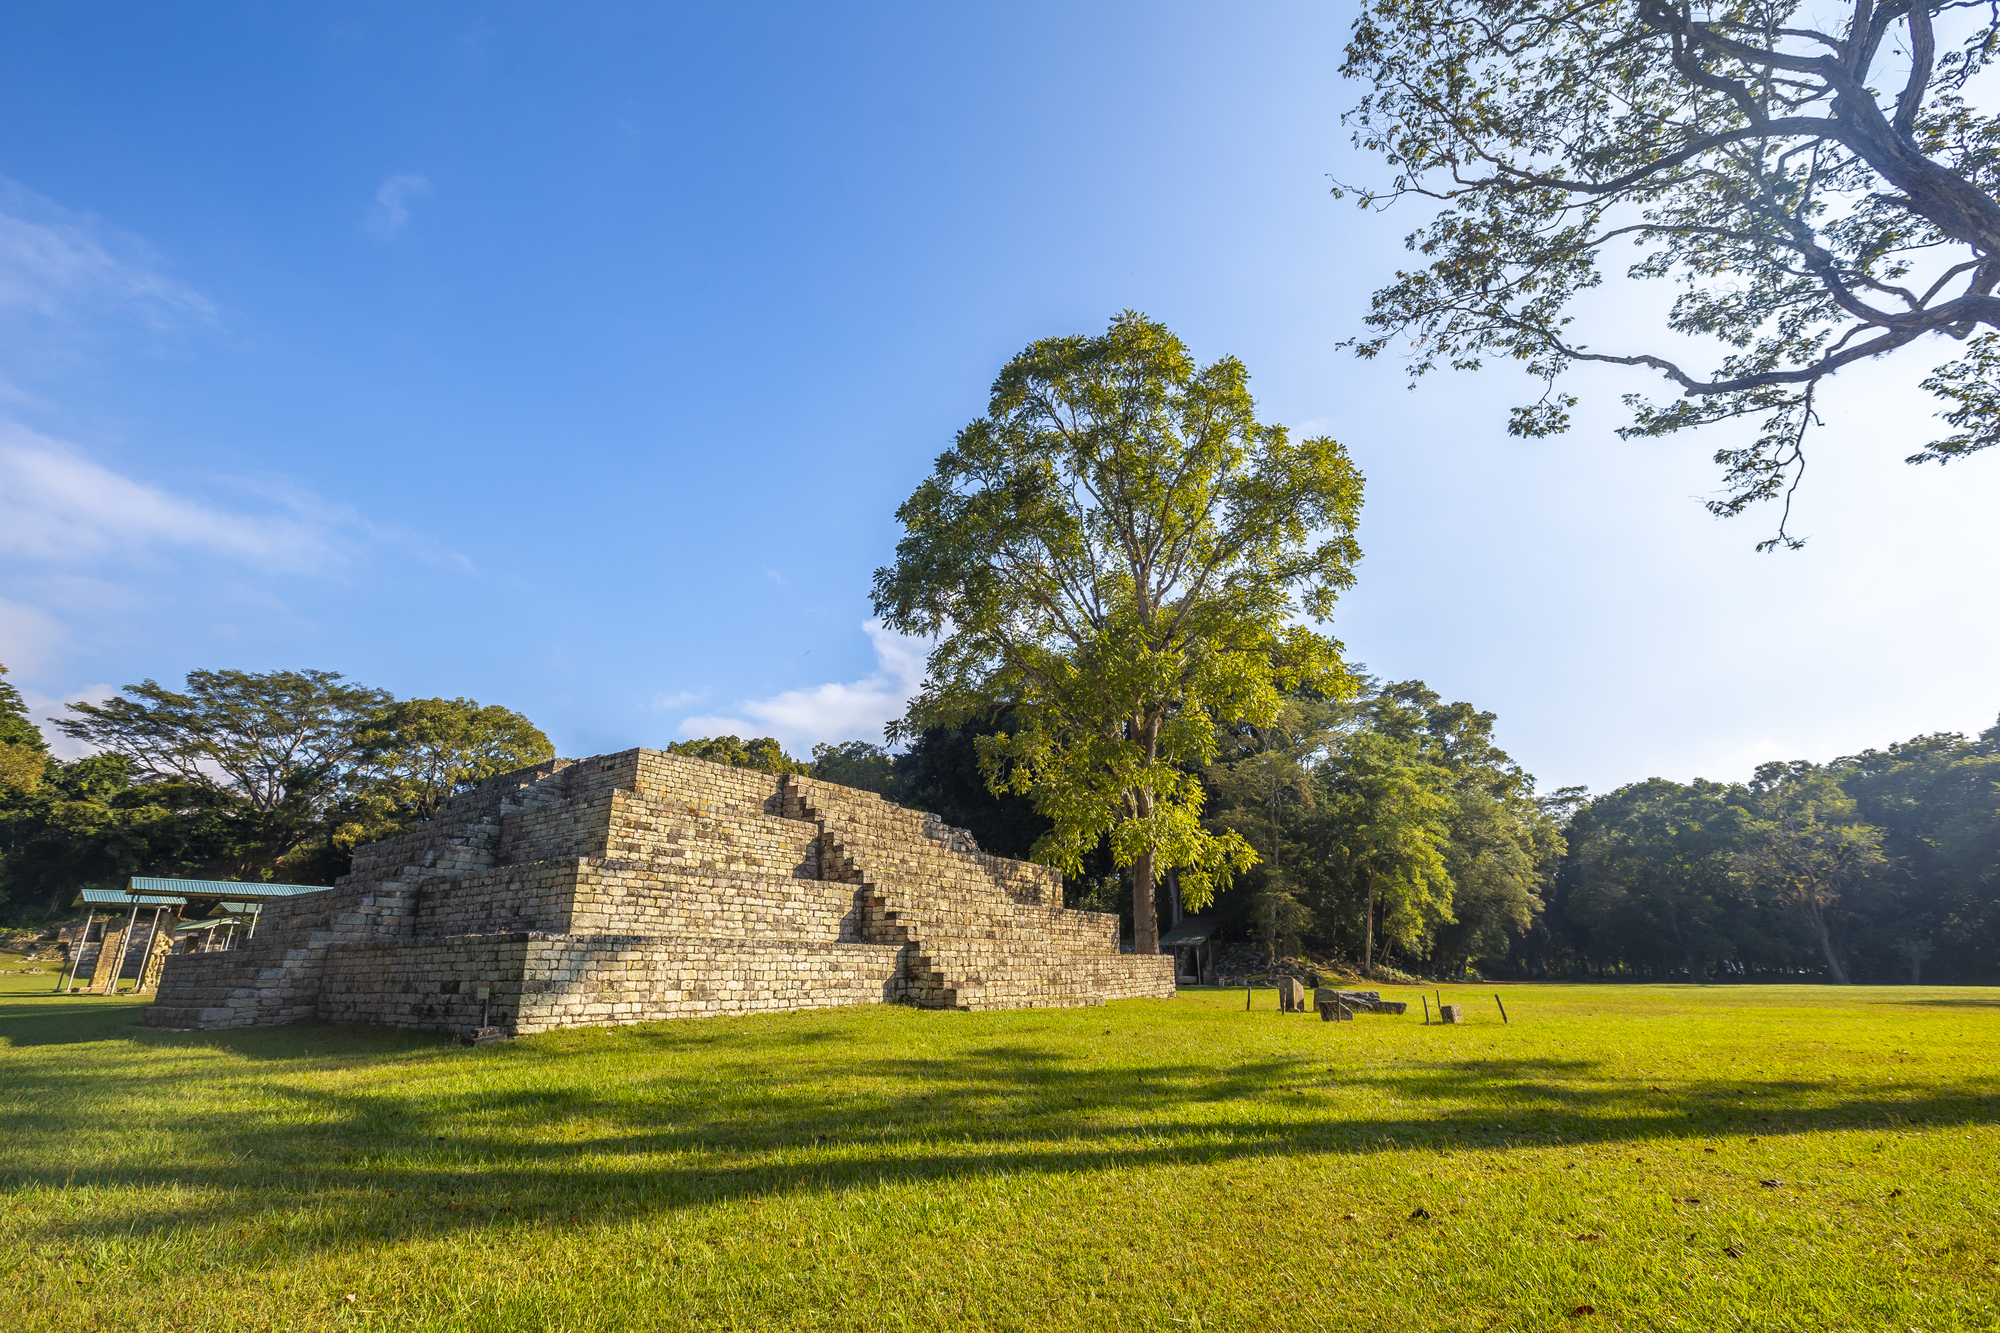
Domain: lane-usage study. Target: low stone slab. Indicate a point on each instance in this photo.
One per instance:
(1361, 1001)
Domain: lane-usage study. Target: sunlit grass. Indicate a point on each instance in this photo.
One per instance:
(1705, 1158)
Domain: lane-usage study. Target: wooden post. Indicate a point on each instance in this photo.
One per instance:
(1427, 1009)
(1503, 1007)
(1246, 995)
(75, 954)
(124, 944)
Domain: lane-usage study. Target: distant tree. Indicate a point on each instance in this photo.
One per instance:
(282, 744)
(1504, 845)
(23, 752)
(416, 753)
(855, 764)
(763, 753)
(1937, 801)
(940, 772)
(1387, 820)
(1818, 183)
(1658, 872)
(1808, 845)
(1262, 790)
(88, 824)
(1121, 554)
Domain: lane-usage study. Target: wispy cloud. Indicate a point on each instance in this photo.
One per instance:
(59, 507)
(839, 711)
(391, 210)
(29, 637)
(67, 267)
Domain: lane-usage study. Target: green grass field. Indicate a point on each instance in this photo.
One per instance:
(1616, 1158)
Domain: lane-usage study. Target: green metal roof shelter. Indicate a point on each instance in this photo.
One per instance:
(196, 899)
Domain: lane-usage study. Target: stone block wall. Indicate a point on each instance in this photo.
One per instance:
(642, 885)
(633, 897)
(640, 979)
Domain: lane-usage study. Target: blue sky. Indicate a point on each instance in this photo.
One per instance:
(576, 358)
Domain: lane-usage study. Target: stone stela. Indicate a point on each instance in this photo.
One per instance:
(640, 886)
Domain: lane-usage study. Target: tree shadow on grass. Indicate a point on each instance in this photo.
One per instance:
(1987, 1001)
(64, 1020)
(544, 1138)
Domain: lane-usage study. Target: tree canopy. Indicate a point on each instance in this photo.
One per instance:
(764, 753)
(1121, 554)
(1817, 183)
(241, 775)
(419, 751)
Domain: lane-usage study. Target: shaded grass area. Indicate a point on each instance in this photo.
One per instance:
(1637, 1157)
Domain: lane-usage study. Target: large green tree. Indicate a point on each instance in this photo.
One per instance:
(1387, 815)
(1816, 182)
(1124, 556)
(23, 752)
(414, 754)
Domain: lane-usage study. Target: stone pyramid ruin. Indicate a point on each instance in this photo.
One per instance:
(640, 886)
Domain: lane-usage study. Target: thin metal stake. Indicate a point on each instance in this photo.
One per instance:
(1503, 1008)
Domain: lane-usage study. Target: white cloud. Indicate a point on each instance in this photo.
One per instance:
(64, 265)
(45, 709)
(678, 699)
(841, 711)
(391, 210)
(29, 637)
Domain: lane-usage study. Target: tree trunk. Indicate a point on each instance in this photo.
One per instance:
(1368, 934)
(1825, 937)
(1145, 921)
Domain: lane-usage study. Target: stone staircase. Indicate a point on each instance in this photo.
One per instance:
(980, 931)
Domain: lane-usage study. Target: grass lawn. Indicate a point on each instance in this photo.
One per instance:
(1616, 1158)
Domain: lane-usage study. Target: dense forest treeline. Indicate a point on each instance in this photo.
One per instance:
(1392, 832)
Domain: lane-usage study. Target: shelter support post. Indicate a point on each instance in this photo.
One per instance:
(76, 954)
